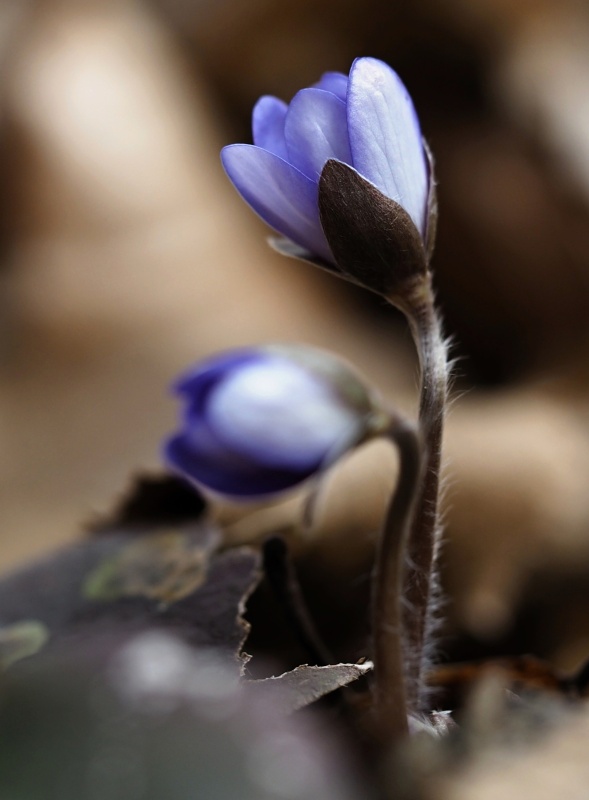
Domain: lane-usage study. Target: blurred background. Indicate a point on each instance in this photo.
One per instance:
(126, 255)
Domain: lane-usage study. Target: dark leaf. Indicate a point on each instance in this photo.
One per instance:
(154, 500)
(171, 579)
(21, 640)
(304, 685)
(374, 241)
(166, 567)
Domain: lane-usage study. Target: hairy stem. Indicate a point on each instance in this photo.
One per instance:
(389, 668)
(420, 577)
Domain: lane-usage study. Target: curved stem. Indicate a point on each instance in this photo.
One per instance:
(421, 579)
(389, 667)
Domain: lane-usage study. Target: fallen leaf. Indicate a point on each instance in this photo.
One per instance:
(163, 566)
(141, 583)
(20, 640)
(301, 686)
(153, 500)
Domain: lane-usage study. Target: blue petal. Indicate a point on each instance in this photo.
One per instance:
(276, 412)
(268, 125)
(283, 197)
(385, 137)
(315, 131)
(225, 472)
(198, 380)
(334, 82)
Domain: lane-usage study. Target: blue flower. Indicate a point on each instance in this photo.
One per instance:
(261, 420)
(366, 120)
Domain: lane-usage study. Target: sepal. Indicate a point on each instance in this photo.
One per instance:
(374, 241)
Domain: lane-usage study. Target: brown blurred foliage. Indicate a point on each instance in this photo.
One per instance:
(126, 255)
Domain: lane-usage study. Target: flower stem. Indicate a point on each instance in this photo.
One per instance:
(421, 578)
(389, 664)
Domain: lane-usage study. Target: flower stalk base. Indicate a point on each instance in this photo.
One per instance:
(420, 583)
(390, 698)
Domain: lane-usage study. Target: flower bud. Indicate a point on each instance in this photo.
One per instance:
(366, 127)
(260, 420)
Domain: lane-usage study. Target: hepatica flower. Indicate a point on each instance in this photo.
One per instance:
(366, 121)
(258, 421)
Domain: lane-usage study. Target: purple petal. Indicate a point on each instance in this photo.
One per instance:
(385, 137)
(282, 196)
(268, 125)
(196, 382)
(277, 412)
(225, 472)
(315, 131)
(334, 82)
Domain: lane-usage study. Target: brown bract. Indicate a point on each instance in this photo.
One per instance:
(374, 241)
